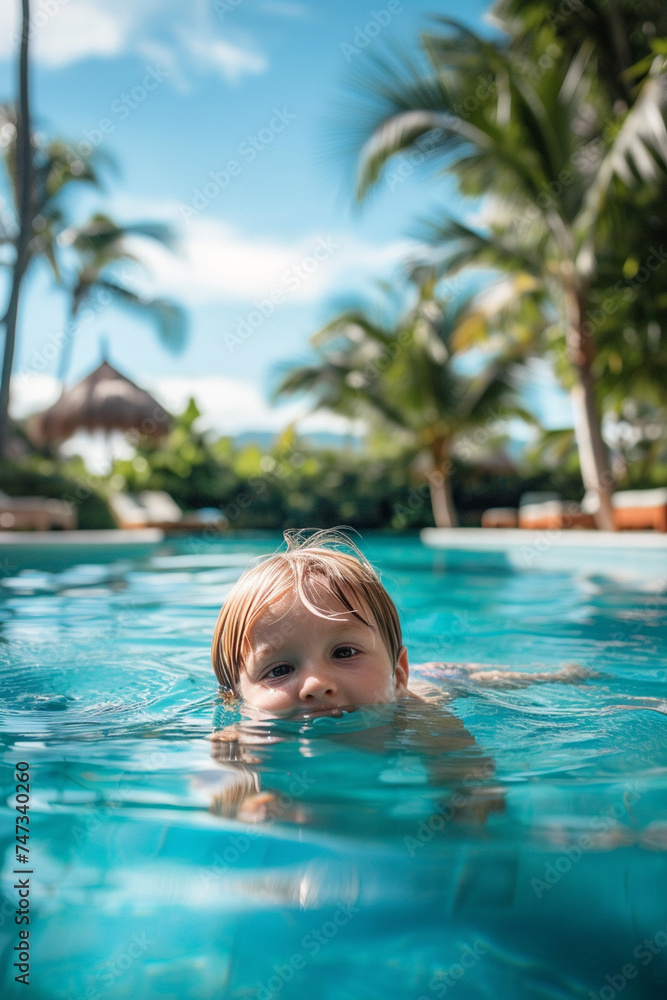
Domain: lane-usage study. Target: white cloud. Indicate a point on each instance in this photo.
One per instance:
(234, 405)
(216, 263)
(228, 406)
(218, 54)
(80, 31)
(65, 31)
(185, 36)
(32, 392)
(167, 59)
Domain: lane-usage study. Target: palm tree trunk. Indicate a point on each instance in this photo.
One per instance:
(24, 184)
(440, 486)
(593, 455)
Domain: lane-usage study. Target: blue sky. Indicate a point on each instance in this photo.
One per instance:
(220, 115)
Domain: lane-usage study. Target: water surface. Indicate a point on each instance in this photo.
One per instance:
(508, 844)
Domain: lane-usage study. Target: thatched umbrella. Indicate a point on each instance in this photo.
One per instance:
(103, 400)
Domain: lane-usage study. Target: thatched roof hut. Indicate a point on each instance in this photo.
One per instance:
(103, 400)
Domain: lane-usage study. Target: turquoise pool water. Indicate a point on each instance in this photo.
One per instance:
(511, 845)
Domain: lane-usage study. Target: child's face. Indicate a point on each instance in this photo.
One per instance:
(302, 664)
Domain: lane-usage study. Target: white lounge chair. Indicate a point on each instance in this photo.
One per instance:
(500, 517)
(36, 514)
(156, 509)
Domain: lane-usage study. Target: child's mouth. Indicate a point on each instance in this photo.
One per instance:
(317, 713)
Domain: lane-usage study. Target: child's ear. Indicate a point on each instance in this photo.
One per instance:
(401, 674)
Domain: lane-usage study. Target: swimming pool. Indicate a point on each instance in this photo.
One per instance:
(549, 881)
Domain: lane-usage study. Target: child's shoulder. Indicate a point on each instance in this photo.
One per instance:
(425, 691)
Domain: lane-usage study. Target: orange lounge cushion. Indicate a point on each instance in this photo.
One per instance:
(641, 509)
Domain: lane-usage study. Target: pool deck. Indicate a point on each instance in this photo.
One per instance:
(553, 549)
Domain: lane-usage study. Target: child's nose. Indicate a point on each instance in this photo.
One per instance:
(317, 683)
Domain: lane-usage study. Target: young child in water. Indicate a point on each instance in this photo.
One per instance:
(312, 631)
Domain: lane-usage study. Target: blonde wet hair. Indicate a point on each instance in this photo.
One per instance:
(313, 565)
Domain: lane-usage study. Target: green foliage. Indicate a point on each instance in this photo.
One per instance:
(293, 483)
(90, 250)
(183, 464)
(639, 432)
(288, 485)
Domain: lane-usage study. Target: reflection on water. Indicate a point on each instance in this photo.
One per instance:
(507, 843)
(395, 763)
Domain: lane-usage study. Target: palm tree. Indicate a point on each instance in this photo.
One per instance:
(404, 380)
(100, 244)
(618, 30)
(90, 249)
(23, 175)
(39, 179)
(550, 153)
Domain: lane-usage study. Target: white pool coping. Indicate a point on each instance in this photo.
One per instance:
(55, 550)
(499, 539)
(632, 554)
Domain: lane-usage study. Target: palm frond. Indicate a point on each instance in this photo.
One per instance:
(168, 317)
(638, 152)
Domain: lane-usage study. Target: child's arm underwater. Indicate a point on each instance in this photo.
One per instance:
(466, 678)
(241, 795)
(460, 676)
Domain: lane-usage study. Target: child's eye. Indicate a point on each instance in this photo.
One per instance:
(346, 651)
(280, 671)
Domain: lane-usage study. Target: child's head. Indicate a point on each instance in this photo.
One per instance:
(310, 630)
